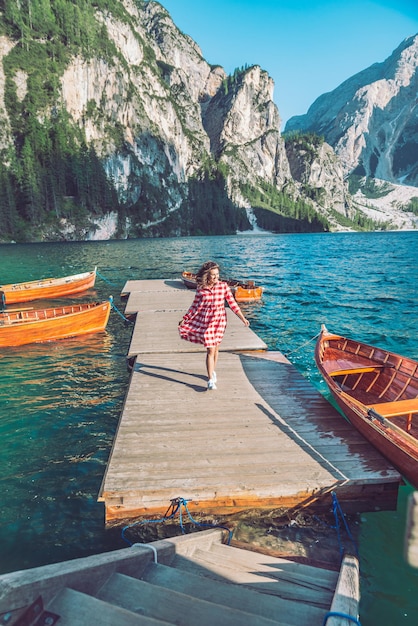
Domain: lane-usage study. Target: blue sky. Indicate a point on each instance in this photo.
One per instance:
(307, 47)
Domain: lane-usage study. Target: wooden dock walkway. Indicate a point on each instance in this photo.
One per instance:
(266, 439)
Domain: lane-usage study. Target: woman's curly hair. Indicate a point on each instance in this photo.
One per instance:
(202, 276)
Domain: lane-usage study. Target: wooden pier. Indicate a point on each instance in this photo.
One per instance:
(264, 440)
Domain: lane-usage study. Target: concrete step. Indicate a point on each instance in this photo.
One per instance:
(192, 575)
(264, 579)
(234, 596)
(288, 570)
(79, 609)
(171, 606)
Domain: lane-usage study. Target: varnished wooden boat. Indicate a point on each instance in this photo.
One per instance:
(47, 288)
(36, 325)
(377, 391)
(243, 292)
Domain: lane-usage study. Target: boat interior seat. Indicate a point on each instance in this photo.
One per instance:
(393, 409)
(358, 370)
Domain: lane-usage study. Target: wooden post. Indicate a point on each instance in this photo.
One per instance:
(411, 534)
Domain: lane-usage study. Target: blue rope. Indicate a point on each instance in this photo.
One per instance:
(125, 319)
(338, 614)
(337, 510)
(337, 524)
(230, 532)
(105, 279)
(113, 305)
(175, 506)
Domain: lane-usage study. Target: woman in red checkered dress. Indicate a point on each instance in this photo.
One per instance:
(205, 321)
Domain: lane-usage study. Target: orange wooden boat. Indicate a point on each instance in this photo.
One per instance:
(47, 288)
(37, 325)
(243, 292)
(377, 391)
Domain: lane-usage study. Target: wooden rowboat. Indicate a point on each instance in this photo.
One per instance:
(47, 288)
(377, 391)
(243, 292)
(37, 325)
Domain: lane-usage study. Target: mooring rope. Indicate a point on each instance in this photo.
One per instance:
(303, 345)
(147, 545)
(113, 305)
(336, 507)
(105, 279)
(337, 510)
(176, 505)
(338, 614)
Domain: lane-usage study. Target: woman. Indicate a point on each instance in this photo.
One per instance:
(205, 321)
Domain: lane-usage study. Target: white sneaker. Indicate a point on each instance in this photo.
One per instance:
(214, 377)
(211, 385)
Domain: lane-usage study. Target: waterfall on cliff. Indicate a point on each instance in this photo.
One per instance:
(256, 230)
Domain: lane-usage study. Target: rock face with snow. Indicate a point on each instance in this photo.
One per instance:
(391, 206)
(371, 120)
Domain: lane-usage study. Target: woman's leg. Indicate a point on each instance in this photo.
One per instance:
(215, 359)
(211, 358)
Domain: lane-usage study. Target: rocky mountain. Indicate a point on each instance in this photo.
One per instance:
(113, 125)
(371, 119)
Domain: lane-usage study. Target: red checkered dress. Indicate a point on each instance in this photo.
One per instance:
(205, 321)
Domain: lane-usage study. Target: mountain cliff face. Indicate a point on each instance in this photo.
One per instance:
(114, 89)
(242, 124)
(113, 125)
(371, 120)
(315, 166)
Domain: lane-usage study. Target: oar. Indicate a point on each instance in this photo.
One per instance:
(29, 308)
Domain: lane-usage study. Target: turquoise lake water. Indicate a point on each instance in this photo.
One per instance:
(61, 401)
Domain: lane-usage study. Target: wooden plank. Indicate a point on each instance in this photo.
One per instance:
(393, 409)
(245, 599)
(162, 604)
(159, 285)
(266, 438)
(148, 301)
(266, 460)
(148, 295)
(303, 411)
(357, 370)
(264, 578)
(76, 608)
(255, 561)
(171, 388)
(156, 332)
(346, 598)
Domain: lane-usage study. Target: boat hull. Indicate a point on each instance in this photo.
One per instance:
(243, 292)
(48, 288)
(39, 325)
(377, 391)
(247, 294)
(403, 459)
